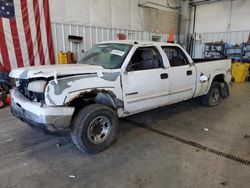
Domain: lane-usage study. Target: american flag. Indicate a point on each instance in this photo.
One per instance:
(25, 34)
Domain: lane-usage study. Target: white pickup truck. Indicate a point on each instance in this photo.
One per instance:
(113, 79)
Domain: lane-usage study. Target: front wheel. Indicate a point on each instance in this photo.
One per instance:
(94, 128)
(212, 98)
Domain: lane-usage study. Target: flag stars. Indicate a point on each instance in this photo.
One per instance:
(7, 9)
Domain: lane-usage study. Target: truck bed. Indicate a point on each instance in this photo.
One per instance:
(203, 60)
(211, 68)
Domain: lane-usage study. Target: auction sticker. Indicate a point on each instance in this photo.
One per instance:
(117, 52)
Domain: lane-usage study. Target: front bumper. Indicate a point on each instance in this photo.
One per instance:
(48, 118)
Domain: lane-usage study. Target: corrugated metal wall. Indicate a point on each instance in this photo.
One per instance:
(91, 36)
(233, 37)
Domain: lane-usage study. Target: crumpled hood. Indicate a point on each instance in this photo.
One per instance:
(55, 70)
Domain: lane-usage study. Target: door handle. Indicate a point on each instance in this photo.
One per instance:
(189, 72)
(164, 76)
(133, 93)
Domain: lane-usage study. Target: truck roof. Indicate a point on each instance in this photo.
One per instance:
(139, 42)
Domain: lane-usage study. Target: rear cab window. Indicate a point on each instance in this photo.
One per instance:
(175, 56)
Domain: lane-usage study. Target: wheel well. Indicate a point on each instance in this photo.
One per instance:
(219, 78)
(104, 97)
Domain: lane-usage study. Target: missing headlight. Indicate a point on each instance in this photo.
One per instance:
(37, 86)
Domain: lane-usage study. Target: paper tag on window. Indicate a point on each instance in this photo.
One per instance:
(117, 52)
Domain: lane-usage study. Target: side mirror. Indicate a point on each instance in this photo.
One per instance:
(203, 78)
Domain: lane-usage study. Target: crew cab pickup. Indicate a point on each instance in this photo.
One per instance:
(114, 79)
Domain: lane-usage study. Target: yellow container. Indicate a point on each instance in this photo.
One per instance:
(239, 71)
(62, 58)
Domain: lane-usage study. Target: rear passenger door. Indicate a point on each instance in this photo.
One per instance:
(145, 82)
(182, 74)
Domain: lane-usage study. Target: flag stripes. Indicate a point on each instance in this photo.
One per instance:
(25, 34)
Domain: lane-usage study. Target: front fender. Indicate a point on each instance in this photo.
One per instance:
(64, 90)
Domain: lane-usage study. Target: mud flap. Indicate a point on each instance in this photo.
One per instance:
(225, 90)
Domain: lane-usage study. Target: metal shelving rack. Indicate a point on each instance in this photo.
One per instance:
(234, 52)
(246, 50)
(220, 50)
(214, 50)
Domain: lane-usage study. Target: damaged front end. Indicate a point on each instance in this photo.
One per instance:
(33, 89)
(28, 105)
(49, 100)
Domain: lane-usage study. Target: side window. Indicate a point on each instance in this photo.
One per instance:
(145, 58)
(175, 55)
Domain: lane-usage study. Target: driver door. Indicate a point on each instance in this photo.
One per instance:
(145, 82)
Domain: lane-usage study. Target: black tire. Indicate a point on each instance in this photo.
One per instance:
(213, 97)
(86, 124)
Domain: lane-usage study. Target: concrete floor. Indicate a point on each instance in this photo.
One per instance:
(140, 157)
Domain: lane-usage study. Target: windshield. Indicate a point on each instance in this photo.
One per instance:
(109, 56)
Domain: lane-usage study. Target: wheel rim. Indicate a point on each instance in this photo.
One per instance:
(215, 96)
(99, 129)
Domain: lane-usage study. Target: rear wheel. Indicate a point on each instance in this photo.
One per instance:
(213, 96)
(94, 128)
